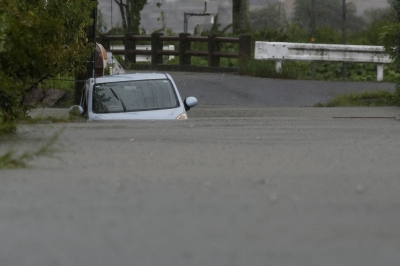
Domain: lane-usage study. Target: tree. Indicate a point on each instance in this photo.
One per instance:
(240, 16)
(130, 13)
(39, 39)
(390, 38)
(328, 14)
(272, 17)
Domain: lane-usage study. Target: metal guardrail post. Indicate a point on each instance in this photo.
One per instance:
(278, 66)
(213, 46)
(156, 45)
(379, 71)
(184, 45)
(130, 46)
(244, 49)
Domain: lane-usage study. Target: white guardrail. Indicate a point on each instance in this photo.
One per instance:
(280, 51)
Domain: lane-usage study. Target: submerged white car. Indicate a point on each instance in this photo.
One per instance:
(133, 96)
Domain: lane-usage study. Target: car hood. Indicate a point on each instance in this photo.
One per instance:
(166, 114)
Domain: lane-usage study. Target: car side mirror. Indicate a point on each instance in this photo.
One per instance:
(75, 110)
(190, 102)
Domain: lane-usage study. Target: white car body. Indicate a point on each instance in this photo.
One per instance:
(99, 92)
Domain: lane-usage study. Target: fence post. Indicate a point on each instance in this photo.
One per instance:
(278, 66)
(130, 46)
(213, 46)
(379, 70)
(184, 45)
(244, 49)
(156, 45)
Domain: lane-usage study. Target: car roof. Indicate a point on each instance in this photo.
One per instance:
(134, 76)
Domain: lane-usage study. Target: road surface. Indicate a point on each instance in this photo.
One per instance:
(252, 178)
(235, 90)
(230, 186)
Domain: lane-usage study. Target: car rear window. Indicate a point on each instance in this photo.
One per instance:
(129, 96)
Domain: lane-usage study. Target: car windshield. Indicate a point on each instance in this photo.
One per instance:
(128, 96)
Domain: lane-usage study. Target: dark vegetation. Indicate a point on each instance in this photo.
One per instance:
(39, 41)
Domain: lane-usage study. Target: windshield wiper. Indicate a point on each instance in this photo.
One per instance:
(120, 100)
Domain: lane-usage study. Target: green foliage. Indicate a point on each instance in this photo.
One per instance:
(390, 37)
(130, 14)
(377, 19)
(3, 28)
(323, 71)
(65, 83)
(328, 13)
(43, 38)
(266, 69)
(273, 17)
(328, 35)
(12, 160)
(390, 33)
(380, 98)
(295, 33)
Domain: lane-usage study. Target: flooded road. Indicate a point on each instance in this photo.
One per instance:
(234, 90)
(230, 186)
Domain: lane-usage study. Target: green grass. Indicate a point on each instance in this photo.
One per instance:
(64, 83)
(301, 70)
(51, 119)
(12, 160)
(381, 98)
(266, 69)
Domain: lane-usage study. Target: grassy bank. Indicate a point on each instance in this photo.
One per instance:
(380, 98)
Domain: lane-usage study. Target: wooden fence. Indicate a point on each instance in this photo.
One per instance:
(185, 52)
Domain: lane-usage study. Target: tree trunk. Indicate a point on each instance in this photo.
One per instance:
(130, 13)
(240, 16)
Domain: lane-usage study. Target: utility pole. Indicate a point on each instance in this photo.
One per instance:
(240, 16)
(313, 34)
(344, 34)
(186, 19)
(210, 8)
(90, 67)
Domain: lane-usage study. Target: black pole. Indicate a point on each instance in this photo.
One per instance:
(344, 34)
(312, 35)
(186, 19)
(184, 45)
(94, 40)
(90, 64)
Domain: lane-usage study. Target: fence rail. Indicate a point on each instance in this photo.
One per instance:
(184, 51)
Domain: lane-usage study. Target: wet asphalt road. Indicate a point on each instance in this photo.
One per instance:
(233, 90)
(230, 186)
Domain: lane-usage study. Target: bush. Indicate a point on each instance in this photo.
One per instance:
(44, 39)
(381, 98)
